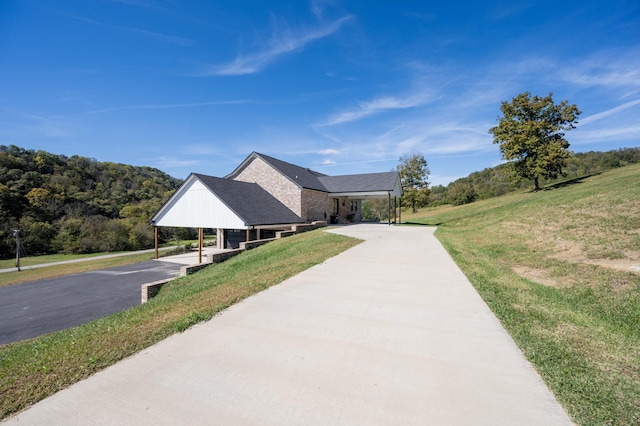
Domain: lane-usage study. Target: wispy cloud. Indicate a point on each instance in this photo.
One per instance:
(620, 134)
(38, 125)
(378, 105)
(609, 112)
(172, 163)
(282, 42)
(606, 69)
(168, 106)
(328, 152)
(151, 34)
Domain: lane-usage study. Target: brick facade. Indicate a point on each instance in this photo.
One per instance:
(316, 205)
(274, 183)
(311, 205)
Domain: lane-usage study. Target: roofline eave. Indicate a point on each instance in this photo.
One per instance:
(364, 194)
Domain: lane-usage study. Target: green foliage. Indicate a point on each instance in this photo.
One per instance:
(498, 181)
(413, 171)
(375, 210)
(461, 192)
(530, 135)
(76, 204)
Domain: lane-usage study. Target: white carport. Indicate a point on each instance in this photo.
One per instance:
(222, 204)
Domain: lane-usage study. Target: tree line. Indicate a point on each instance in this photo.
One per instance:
(77, 205)
(497, 181)
(531, 138)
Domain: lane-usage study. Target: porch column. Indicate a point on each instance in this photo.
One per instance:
(200, 237)
(155, 238)
(220, 239)
(395, 209)
(389, 208)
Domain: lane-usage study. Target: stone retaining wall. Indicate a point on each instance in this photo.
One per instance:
(149, 290)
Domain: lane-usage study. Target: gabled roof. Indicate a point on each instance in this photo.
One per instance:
(249, 201)
(369, 182)
(304, 178)
(211, 202)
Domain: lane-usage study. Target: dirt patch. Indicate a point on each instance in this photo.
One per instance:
(539, 276)
(567, 250)
(624, 265)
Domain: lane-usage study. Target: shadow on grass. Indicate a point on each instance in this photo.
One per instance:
(569, 182)
(421, 224)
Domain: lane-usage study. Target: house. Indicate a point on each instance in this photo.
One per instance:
(264, 194)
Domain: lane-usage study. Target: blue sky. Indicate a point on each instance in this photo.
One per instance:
(337, 86)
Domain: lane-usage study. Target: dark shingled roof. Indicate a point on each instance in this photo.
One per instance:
(305, 178)
(369, 182)
(249, 201)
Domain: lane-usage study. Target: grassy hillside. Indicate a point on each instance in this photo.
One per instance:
(561, 270)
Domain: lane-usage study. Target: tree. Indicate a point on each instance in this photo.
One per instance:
(413, 171)
(461, 192)
(530, 135)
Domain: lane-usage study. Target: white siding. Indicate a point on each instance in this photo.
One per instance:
(197, 207)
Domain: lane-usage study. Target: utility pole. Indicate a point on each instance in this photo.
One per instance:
(16, 233)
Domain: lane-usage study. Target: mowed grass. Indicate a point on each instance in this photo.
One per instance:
(560, 268)
(34, 369)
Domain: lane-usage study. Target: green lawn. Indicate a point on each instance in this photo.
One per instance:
(557, 268)
(32, 370)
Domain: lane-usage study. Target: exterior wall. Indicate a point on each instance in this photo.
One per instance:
(274, 183)
(316, 205)
(197, 207)
(355, 209)
(346, 211)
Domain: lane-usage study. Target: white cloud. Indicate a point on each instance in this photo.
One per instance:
(376, 106)
(172, 163)
(625, 133)
(609, 112)
(610, 69)
(327, 162)
(37, 125)
(151, 34)
(168, 106)
(283, 41)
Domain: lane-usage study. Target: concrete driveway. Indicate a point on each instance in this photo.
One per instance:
(389, 332)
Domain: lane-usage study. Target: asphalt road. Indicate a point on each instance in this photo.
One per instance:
(40, 307)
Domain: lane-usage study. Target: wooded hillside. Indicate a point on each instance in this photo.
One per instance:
(499, 180)
(76, 204)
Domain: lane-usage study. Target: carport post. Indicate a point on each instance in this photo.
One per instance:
(155, 237)
(395, 209)
(200, 238)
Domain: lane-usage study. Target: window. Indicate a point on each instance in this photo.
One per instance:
(354, 205)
